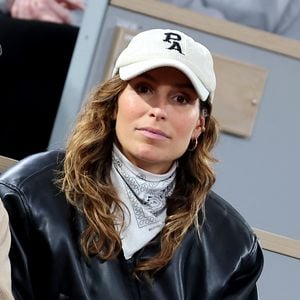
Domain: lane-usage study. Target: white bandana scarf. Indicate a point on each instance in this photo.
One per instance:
(144, 194)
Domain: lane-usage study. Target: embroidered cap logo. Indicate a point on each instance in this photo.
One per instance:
(173, 38)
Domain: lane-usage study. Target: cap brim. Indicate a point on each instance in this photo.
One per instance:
(130, 71)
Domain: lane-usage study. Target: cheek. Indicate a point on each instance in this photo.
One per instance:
(186, 124)
(129, 106)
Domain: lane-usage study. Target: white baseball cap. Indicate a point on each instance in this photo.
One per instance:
(168, 48)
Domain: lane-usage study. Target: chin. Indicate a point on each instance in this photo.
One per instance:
(149, 152)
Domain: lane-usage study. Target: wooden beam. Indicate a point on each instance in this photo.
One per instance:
(223, 28)
(278, 243)
(5, 163)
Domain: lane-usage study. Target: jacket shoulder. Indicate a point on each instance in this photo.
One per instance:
(231, 248)
(218, 207)
(33, 167)
(224, 223)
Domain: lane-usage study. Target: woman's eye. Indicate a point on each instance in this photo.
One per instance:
(143, 89)
(181, 99)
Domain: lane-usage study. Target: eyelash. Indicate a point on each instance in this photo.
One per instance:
(138, 88)
(142, 88)
(186, 99)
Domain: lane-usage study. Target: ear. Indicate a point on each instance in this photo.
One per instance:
(200, 127)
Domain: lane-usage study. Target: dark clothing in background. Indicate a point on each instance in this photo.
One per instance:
(33, 66)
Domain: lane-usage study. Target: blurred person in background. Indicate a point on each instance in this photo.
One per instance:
(58, 11)
(277, 16)
(37, 38)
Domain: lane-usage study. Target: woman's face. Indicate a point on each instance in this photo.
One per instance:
(157, 116)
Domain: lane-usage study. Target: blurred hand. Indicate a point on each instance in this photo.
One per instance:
(58, 11)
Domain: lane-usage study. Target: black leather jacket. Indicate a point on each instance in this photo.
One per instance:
(47, 263)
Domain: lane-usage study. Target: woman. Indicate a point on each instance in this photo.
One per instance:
(127, 212)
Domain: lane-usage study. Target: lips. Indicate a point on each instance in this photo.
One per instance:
(153, 132)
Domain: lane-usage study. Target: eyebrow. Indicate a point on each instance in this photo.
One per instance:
(188, 85)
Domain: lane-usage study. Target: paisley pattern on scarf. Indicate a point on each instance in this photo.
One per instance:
(144, 196)
(147, 192)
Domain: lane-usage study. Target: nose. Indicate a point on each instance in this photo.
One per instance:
(158, 106)
(158, 112)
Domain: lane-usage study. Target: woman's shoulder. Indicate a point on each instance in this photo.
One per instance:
(216, 206)
(34, 168)
(224, 223)
(29, 189)
(229, 247)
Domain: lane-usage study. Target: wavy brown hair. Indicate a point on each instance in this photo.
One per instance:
(87, 185)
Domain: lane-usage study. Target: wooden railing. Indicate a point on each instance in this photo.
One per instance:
(6, 163)
(278, 243)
